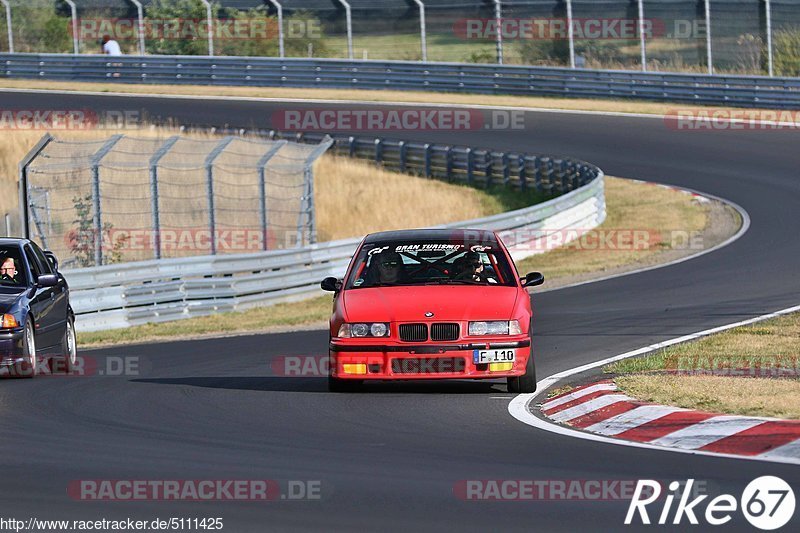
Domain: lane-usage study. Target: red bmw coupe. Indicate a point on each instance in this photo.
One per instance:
(431, 304)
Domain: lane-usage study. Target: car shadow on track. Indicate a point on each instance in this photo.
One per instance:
(320, 385)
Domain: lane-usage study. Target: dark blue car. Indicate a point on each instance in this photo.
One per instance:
(37, 325)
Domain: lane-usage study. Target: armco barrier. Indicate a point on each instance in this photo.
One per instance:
(116, 296)
(744, 91)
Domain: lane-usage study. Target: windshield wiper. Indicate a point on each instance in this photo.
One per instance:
(452, 282)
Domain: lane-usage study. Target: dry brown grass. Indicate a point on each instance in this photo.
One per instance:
(766, 346)
(630, 206)
(587, 104)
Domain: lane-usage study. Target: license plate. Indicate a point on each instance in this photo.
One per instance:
(492, 356)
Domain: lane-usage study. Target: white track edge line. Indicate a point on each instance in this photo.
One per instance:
(518, 407)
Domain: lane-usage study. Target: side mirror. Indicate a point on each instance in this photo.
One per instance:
(47, 280)
(532, 278)
(52, 258)
(331, 284)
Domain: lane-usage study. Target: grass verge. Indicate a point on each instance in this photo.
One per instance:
(750, 370)
(664, 209)
(532, 102)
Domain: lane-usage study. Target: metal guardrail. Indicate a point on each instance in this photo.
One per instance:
(128, 294)
(744, 91)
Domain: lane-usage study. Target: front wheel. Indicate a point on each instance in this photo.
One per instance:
(69, 347)
(525, 383)
(29, 368)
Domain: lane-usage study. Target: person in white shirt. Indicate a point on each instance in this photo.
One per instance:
(111, 47)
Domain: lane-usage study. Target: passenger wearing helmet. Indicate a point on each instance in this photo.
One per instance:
(470, 268)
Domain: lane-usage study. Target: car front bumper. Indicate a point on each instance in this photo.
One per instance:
(12, 349)
(360, 360)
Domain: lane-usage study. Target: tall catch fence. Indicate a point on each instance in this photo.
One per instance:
(725, 36)
(126, 198)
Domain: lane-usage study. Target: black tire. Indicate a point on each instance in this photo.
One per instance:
(69, 347)
(30, 367)
(344, 385)
(525, 383)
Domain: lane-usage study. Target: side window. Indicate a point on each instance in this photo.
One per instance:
(45, 264)
(33, 262)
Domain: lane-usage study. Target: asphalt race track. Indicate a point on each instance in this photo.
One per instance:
(389, 459)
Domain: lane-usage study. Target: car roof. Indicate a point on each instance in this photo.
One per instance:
(12, 241)
(449, 234)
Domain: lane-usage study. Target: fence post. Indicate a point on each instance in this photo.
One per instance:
(140, 25)
(768, 7)
(8, 27)
(642, 41)
(498, 17)
(279, 8)
(308, 198)
(423, 39)
(262, 189)
(349, 22)
(570, 35)
(97, 206)
(157, 156)
(709, 55)
(210, 23)
(209, 164)
(74, 16)
(8, 225)
(23, 183)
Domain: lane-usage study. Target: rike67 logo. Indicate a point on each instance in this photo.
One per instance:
(767, 503)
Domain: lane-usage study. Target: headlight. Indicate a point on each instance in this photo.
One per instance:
(505, 327)
(362, 329)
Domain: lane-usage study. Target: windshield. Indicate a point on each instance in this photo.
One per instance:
(12, 270)
(444, 262)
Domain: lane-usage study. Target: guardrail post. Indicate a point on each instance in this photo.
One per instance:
(470, 166)
(523, 179)
(378, 151)
(209, 164)
(262, 190)
(403, 155)
(448, 162)
(427, 148)
(279, 8)
(96, 203)
(351, 142)
(488, 168)
(157, 156)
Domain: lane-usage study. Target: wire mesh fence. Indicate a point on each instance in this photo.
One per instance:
(125, 198)
(724, 36)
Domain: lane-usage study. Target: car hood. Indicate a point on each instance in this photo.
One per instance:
(8, 297)
(446, 302)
